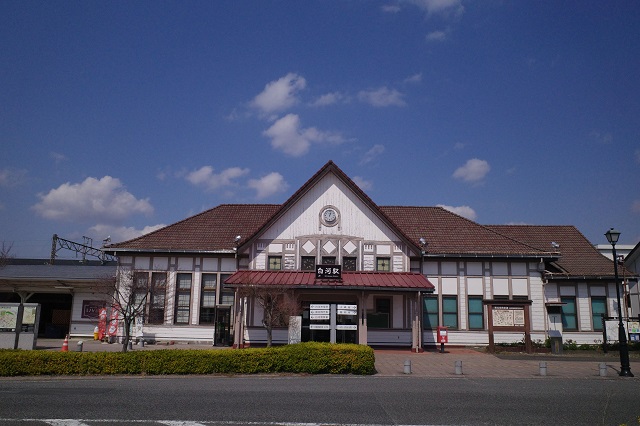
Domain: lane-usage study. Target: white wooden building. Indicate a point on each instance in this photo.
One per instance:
(403, 272)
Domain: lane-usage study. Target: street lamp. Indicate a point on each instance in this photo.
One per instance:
(625, 369)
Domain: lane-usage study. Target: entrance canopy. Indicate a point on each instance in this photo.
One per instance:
(389, 281)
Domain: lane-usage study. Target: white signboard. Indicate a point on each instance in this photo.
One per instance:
(295, 330)
(347, 327)
(319, 327)
(348, 307)
(612, 328)
(319, 317)
(320, 311)
(317, 306)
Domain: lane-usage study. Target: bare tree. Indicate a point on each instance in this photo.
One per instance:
(127, 293)
(5, 254)
(278, 304)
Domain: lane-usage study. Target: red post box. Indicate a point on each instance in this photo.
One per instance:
(443, 337)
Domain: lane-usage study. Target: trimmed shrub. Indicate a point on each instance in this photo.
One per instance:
(305, 358)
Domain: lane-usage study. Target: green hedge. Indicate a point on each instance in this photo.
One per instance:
(309, 358)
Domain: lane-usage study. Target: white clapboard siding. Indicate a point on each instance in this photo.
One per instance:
(183, 334)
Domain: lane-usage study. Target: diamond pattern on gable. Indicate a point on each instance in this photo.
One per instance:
(308, 246)
(329, 247)
(350, 247)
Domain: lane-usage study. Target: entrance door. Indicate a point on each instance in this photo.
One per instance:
(222, 332)
(330, 322)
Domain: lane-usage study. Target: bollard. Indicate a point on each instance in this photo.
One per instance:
(458, 369)
(407, 366)
(130, 345)
(543, 368)
(603, 369)
(80, 343)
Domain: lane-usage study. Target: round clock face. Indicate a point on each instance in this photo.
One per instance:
(329, 215)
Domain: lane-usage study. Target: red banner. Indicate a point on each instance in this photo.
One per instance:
(113, 322)
(102, 323)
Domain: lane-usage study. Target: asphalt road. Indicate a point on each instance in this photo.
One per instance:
(306, 400)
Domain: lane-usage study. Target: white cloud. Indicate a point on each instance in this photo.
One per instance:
(57, 157)
(391, 8)
(10, 178)
(104, 200)
(329, 99)
(362, 183)
(473, 171)
(372, 154)
(416, 78)
(268, 185)
(439, 7)
(382, 97)
(288, 136)
(280, 94)
(464, 211)
(205, 176)
(437, 36)
(121, 233)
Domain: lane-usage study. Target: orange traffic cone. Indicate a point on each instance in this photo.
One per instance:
(65, 344)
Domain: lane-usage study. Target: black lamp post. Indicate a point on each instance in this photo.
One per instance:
(625, 369)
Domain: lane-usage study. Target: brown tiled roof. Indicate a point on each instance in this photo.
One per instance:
(447, 233)
(211, 230)
(305, 279)
(578, 257)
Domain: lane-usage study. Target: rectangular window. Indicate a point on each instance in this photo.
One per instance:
(275, 263)
(569, 313)
(476, 313)
(598, 308)
(383, 264)
(381, 315)
(228, 293)
(308, 263)
(450, 311)
(140, 290)
(349, 264)
(183, 298)
(430, 313)
(157, 297)
(208, 298)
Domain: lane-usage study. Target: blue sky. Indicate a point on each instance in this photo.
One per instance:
(120, 117)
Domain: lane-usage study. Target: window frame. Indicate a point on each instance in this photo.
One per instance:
(376, 312)
(207, 313)
(155, 314)
(380, 267)
(183, 294)
(597, 324)
(475, 314)
(447, 315)
(274, 261)
(427, 313)
(566, 314)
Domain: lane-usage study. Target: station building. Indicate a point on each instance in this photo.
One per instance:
(393, 273)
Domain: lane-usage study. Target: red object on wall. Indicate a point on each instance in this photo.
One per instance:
(443, 334)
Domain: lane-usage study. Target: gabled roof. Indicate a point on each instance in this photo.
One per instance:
(350, 280)
(331, 167)
(578, 257)
(448, 234)
(213, 230)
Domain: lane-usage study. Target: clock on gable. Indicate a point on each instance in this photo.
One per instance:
(329, 216)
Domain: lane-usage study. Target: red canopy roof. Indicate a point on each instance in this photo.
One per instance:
(354, 280)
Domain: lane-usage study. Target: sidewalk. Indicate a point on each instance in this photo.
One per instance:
(475, 364)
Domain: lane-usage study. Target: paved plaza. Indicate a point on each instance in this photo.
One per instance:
(455, 362)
